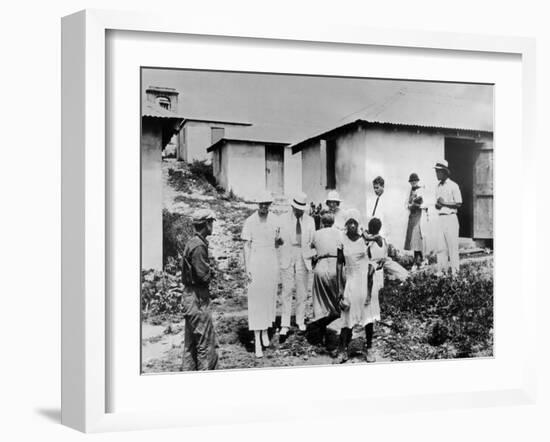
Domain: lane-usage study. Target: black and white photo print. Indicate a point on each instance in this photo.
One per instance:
(291, 220)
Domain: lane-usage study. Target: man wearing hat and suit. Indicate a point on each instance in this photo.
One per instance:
(448, 201)
(333, 203)
(294, 241)
(200, 341)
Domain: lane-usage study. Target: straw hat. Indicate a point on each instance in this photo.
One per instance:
(299, 201)
(442, 164)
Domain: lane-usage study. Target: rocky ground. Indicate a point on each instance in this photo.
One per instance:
(162, 332)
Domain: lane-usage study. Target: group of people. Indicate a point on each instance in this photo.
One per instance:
(347, 262)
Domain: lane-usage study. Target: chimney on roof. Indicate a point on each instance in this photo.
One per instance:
(165, 97)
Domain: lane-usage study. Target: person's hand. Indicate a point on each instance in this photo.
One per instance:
(440, 201)
(279, 242)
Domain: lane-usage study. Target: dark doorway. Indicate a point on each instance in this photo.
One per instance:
(460, 153)
(274, 169)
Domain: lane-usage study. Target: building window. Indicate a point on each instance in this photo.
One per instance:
(164, 102)
(217, 134)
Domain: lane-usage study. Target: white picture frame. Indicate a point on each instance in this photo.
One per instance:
(85, 214)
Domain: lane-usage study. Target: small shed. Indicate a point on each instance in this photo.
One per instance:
(196, 134)
(257, 158)
(158, 125)
(349, 156)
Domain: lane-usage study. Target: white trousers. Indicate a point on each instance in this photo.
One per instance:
(295, 275)
(448, 257)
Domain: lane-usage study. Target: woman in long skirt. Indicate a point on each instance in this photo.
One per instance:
(326, 242)
(359, 301)
(414, 239)
(259, 233)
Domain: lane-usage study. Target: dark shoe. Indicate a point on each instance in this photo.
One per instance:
(283, 335)
(343, 357)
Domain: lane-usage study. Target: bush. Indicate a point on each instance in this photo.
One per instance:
(455, 310)
(203, 169)
(176, 230)
(161, 293)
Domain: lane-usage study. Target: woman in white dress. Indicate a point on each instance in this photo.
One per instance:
(360, 298)
(259, 232)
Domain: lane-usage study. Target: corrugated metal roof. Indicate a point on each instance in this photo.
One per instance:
(151, 110)
(217, 121)
(297, 147)
(223, 141)
(427, 109)
(415, 110)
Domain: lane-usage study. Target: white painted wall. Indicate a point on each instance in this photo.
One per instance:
(198, 137)
(245, 168)
(394, 155)
(151, 195)
(220, 168)
(292, 172)
(350, 174)
(311, 178)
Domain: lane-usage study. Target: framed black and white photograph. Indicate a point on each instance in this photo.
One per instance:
(293, 220)
(299, 222)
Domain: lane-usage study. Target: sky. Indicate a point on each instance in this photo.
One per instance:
(305, 104)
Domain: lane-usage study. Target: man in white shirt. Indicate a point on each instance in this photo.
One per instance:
(294, 242)
(393, 269)
(448, 201)
(378, 208)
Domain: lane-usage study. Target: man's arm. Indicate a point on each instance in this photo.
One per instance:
(456, 197)
(199, 261)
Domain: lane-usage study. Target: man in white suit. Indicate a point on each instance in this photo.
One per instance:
(294, 241)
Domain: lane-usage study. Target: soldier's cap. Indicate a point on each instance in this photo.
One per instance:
(200, 216)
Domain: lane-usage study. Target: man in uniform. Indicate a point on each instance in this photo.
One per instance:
(200, 337)
(448, 201)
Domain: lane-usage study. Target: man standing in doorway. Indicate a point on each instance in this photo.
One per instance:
(448, 201)
(296, 233)
(200, 337)
(393, 269)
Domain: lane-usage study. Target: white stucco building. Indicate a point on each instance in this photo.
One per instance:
(159, 123)
(196, 135)
(246, 167)
(347, 157)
